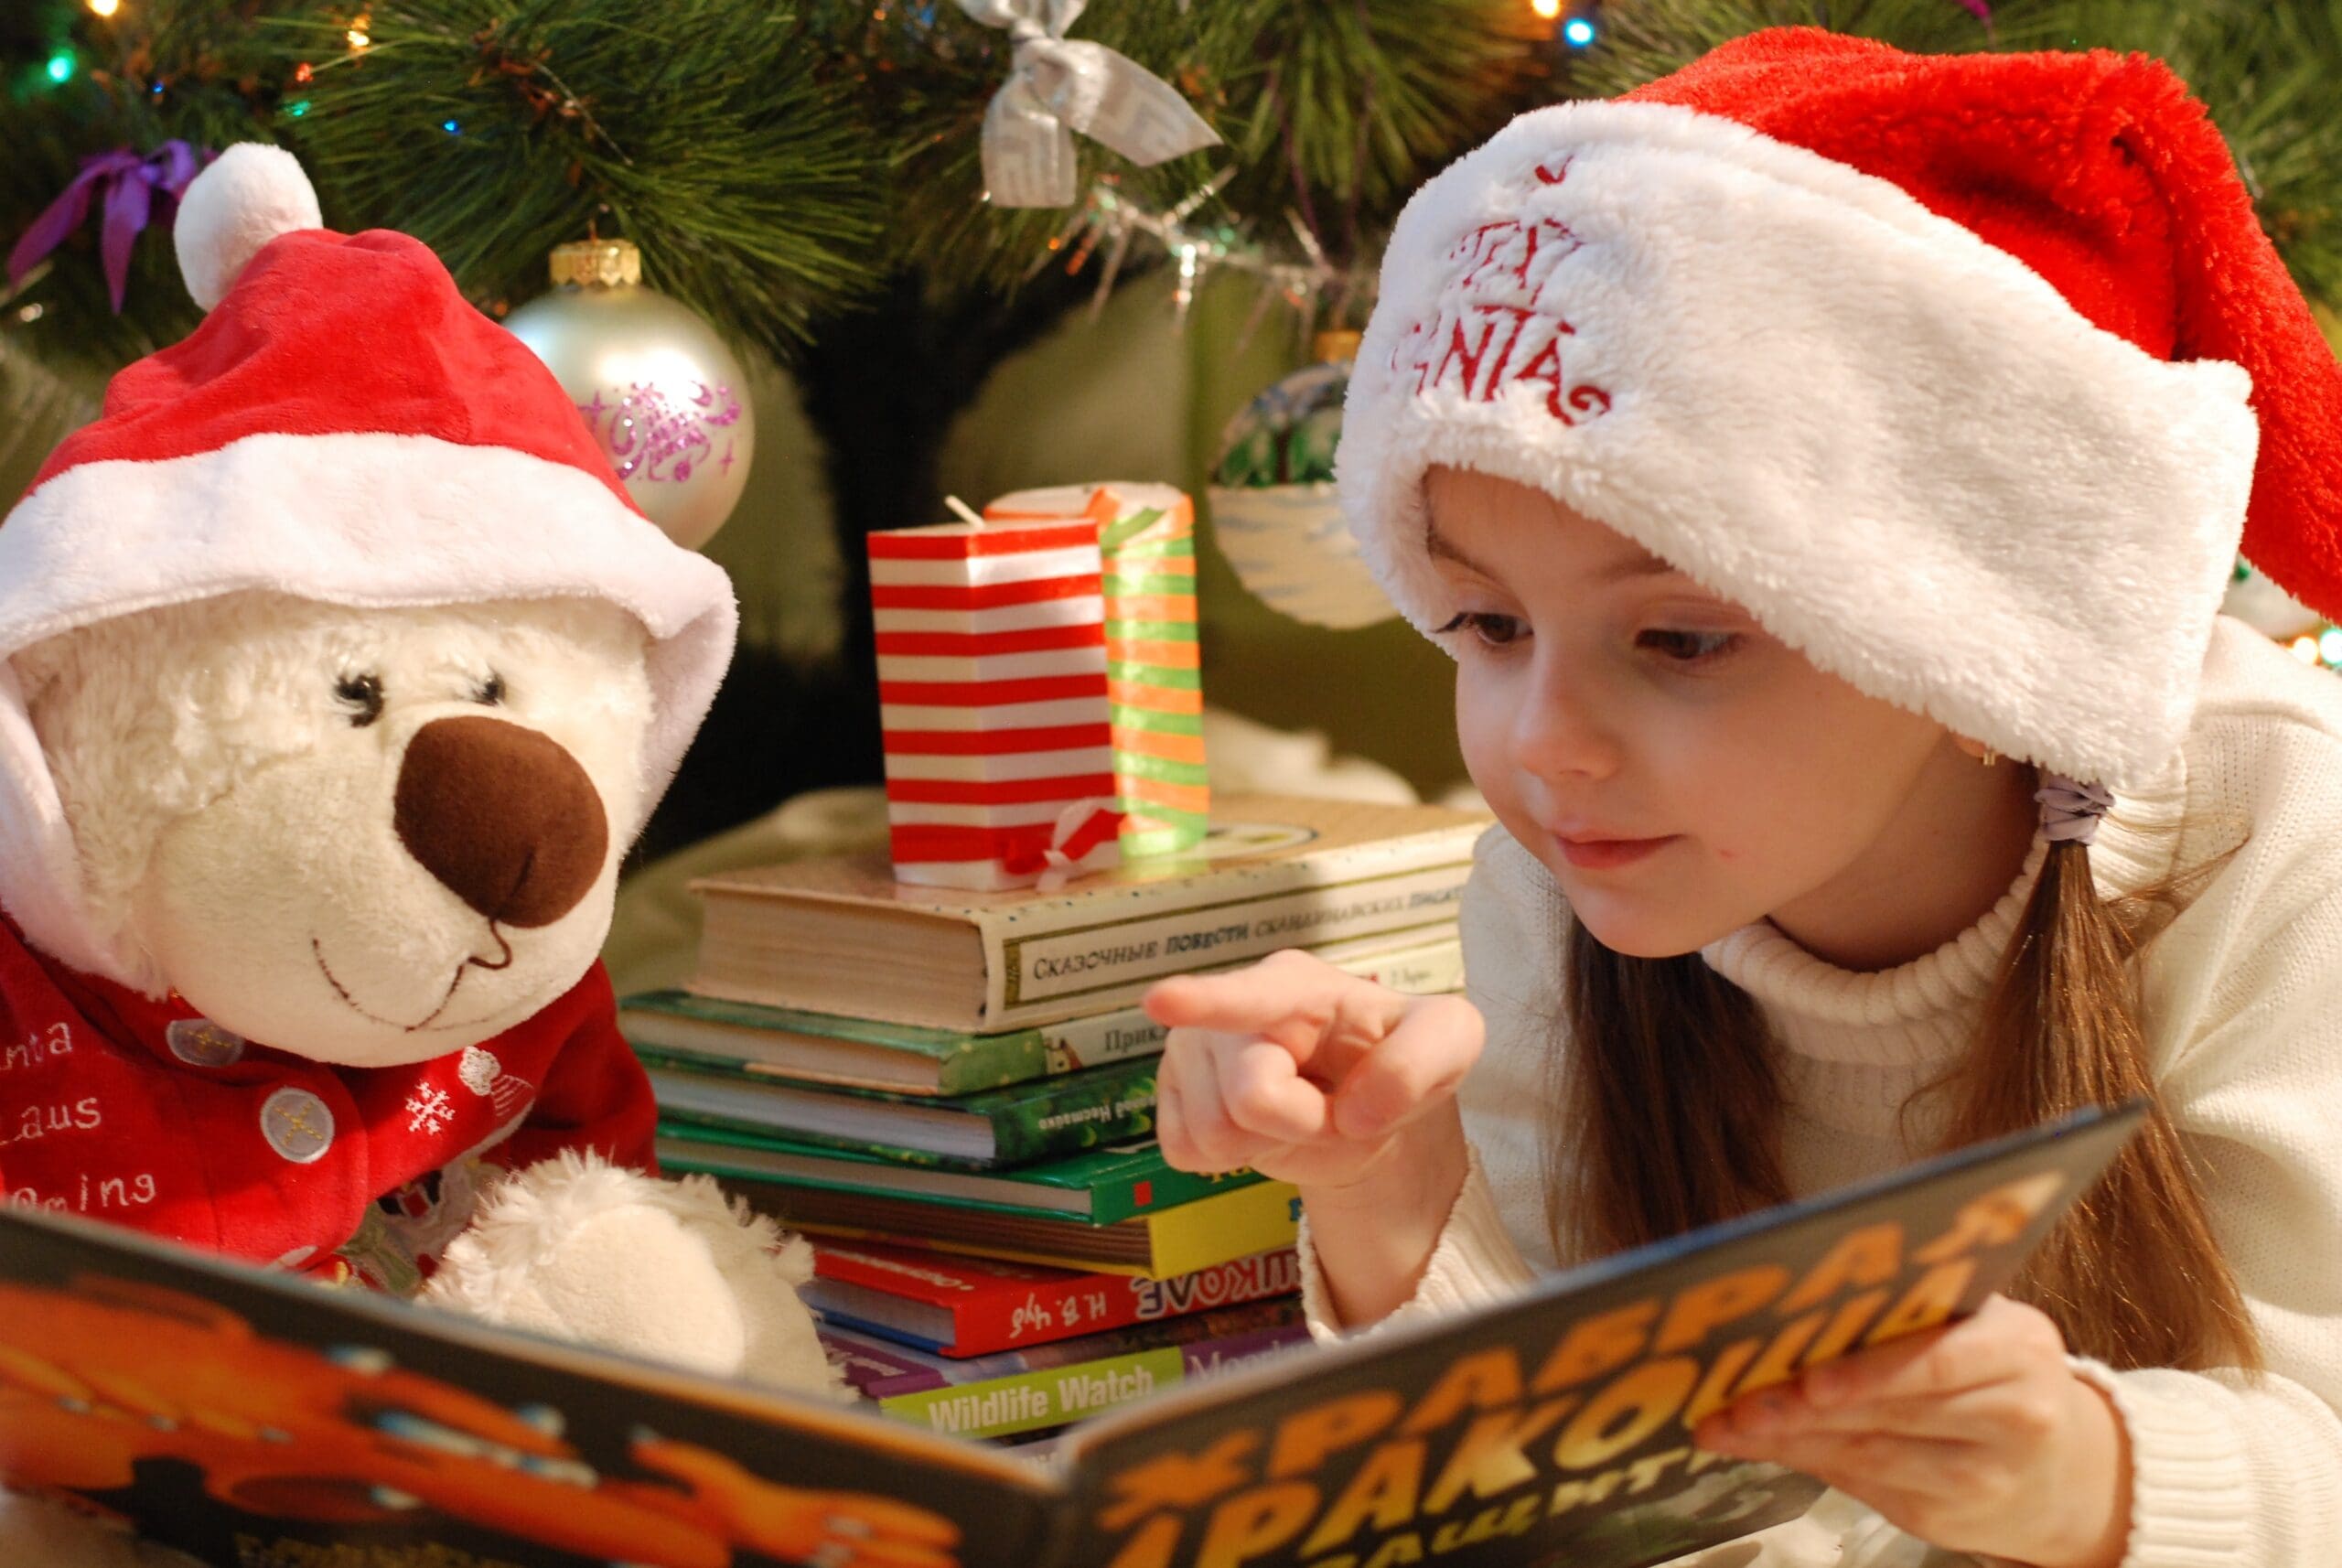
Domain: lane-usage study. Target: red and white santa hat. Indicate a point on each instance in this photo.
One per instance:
(1950, 368)
(344, 427)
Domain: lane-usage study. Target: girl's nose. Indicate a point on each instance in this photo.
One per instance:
(1560, 730)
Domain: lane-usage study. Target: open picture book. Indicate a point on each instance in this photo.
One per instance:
(261, 1422)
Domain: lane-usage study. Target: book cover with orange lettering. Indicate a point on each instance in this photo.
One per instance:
(261, 1422)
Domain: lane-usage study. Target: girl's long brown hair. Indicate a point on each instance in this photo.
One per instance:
(1673, 1111)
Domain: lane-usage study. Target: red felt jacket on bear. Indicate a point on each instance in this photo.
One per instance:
(126, 1108)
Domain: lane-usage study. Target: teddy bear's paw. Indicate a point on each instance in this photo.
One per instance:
(580, 1250)
(37, 1531)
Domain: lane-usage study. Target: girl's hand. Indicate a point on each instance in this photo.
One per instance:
(1977, 1438)
(1300, 1070)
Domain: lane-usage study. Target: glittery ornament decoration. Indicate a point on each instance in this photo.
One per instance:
(663, 396)
(1057, 86)
(1273, 512)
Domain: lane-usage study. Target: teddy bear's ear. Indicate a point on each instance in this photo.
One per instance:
(243, 199)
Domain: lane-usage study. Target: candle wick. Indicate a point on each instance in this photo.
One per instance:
(967, 513)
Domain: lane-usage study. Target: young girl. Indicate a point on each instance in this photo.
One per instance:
(1824, 466)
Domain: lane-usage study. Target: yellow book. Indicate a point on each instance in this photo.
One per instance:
(1163, 1244)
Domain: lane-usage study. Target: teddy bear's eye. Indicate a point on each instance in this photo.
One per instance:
(490, 692)
(362, 694)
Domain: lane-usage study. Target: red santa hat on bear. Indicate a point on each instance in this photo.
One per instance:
(1953, 370)
(343, 427)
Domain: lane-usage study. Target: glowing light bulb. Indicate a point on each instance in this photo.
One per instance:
(60, 65)
(2330, 645)
(1579, 31)
(1549, 9)
(104, 7)
(358, 38)
(2305, 650)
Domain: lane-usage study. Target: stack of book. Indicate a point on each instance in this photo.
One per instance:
(953, 1092)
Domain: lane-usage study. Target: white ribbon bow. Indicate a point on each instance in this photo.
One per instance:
(1058, 857)
(1055, 88)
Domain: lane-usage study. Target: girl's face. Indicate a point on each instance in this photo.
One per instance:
(1681, 772)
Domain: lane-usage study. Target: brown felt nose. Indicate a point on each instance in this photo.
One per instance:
(504, 816)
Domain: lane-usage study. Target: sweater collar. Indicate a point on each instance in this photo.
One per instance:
(2136, 846)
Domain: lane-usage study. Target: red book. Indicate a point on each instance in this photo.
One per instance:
(958, 1305)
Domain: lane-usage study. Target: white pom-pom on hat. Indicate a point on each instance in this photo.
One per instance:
(248, 196)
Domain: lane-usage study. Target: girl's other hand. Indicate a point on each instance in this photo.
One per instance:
(1978, 1437)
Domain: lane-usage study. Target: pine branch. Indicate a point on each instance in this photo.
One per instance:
(1333, 109)
(493, 130)
(184, 69)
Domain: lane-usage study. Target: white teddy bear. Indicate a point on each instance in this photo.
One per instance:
(336, 674)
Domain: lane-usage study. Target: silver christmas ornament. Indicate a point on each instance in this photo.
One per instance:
(664, 398)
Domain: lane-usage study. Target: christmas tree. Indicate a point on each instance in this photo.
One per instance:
(809, 175)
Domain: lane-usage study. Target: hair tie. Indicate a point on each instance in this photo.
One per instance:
(2071, 810)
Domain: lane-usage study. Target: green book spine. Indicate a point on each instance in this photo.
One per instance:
(965, 1063)
(1044, 1118)
(1065, 1115)
(1120, 1182)
(699, 1126)
(679, 1021)
(1031, 1400)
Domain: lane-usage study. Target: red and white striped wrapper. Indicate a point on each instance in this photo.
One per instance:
(1155, 673)
(992, 699)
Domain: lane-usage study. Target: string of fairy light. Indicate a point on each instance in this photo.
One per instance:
(2323, 647)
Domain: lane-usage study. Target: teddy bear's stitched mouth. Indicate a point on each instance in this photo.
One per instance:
(316, 950)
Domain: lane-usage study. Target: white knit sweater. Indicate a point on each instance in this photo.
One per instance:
(2243, 1021)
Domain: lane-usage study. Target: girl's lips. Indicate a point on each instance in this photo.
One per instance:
(1601, 854)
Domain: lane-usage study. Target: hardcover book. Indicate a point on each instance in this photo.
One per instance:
(961, 1307)
(254, 1419)
(1045, 1386)
(842, 936)
(995, 1128)
(863, 1053)
(1234, 1222)
(1099, 1187)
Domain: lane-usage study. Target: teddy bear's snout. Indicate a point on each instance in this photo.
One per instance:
(504, 816)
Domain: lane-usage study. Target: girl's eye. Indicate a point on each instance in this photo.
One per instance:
(1496, 630)
(362, 695)
(1689, 647)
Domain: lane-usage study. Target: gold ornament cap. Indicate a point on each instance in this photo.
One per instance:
(597, 264)
(1336, 343)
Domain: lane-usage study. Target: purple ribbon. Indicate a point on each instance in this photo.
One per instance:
(2070, 809)
(131, 183)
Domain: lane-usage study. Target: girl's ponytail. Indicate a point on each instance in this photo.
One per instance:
(2134, 1274)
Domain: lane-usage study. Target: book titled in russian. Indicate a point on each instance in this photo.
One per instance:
(864, 1052)
(838, 935)
(243, 1416)
(958, 1306)
(998, 1127)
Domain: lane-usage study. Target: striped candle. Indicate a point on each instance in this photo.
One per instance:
(993, 702)
(1147, 541)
